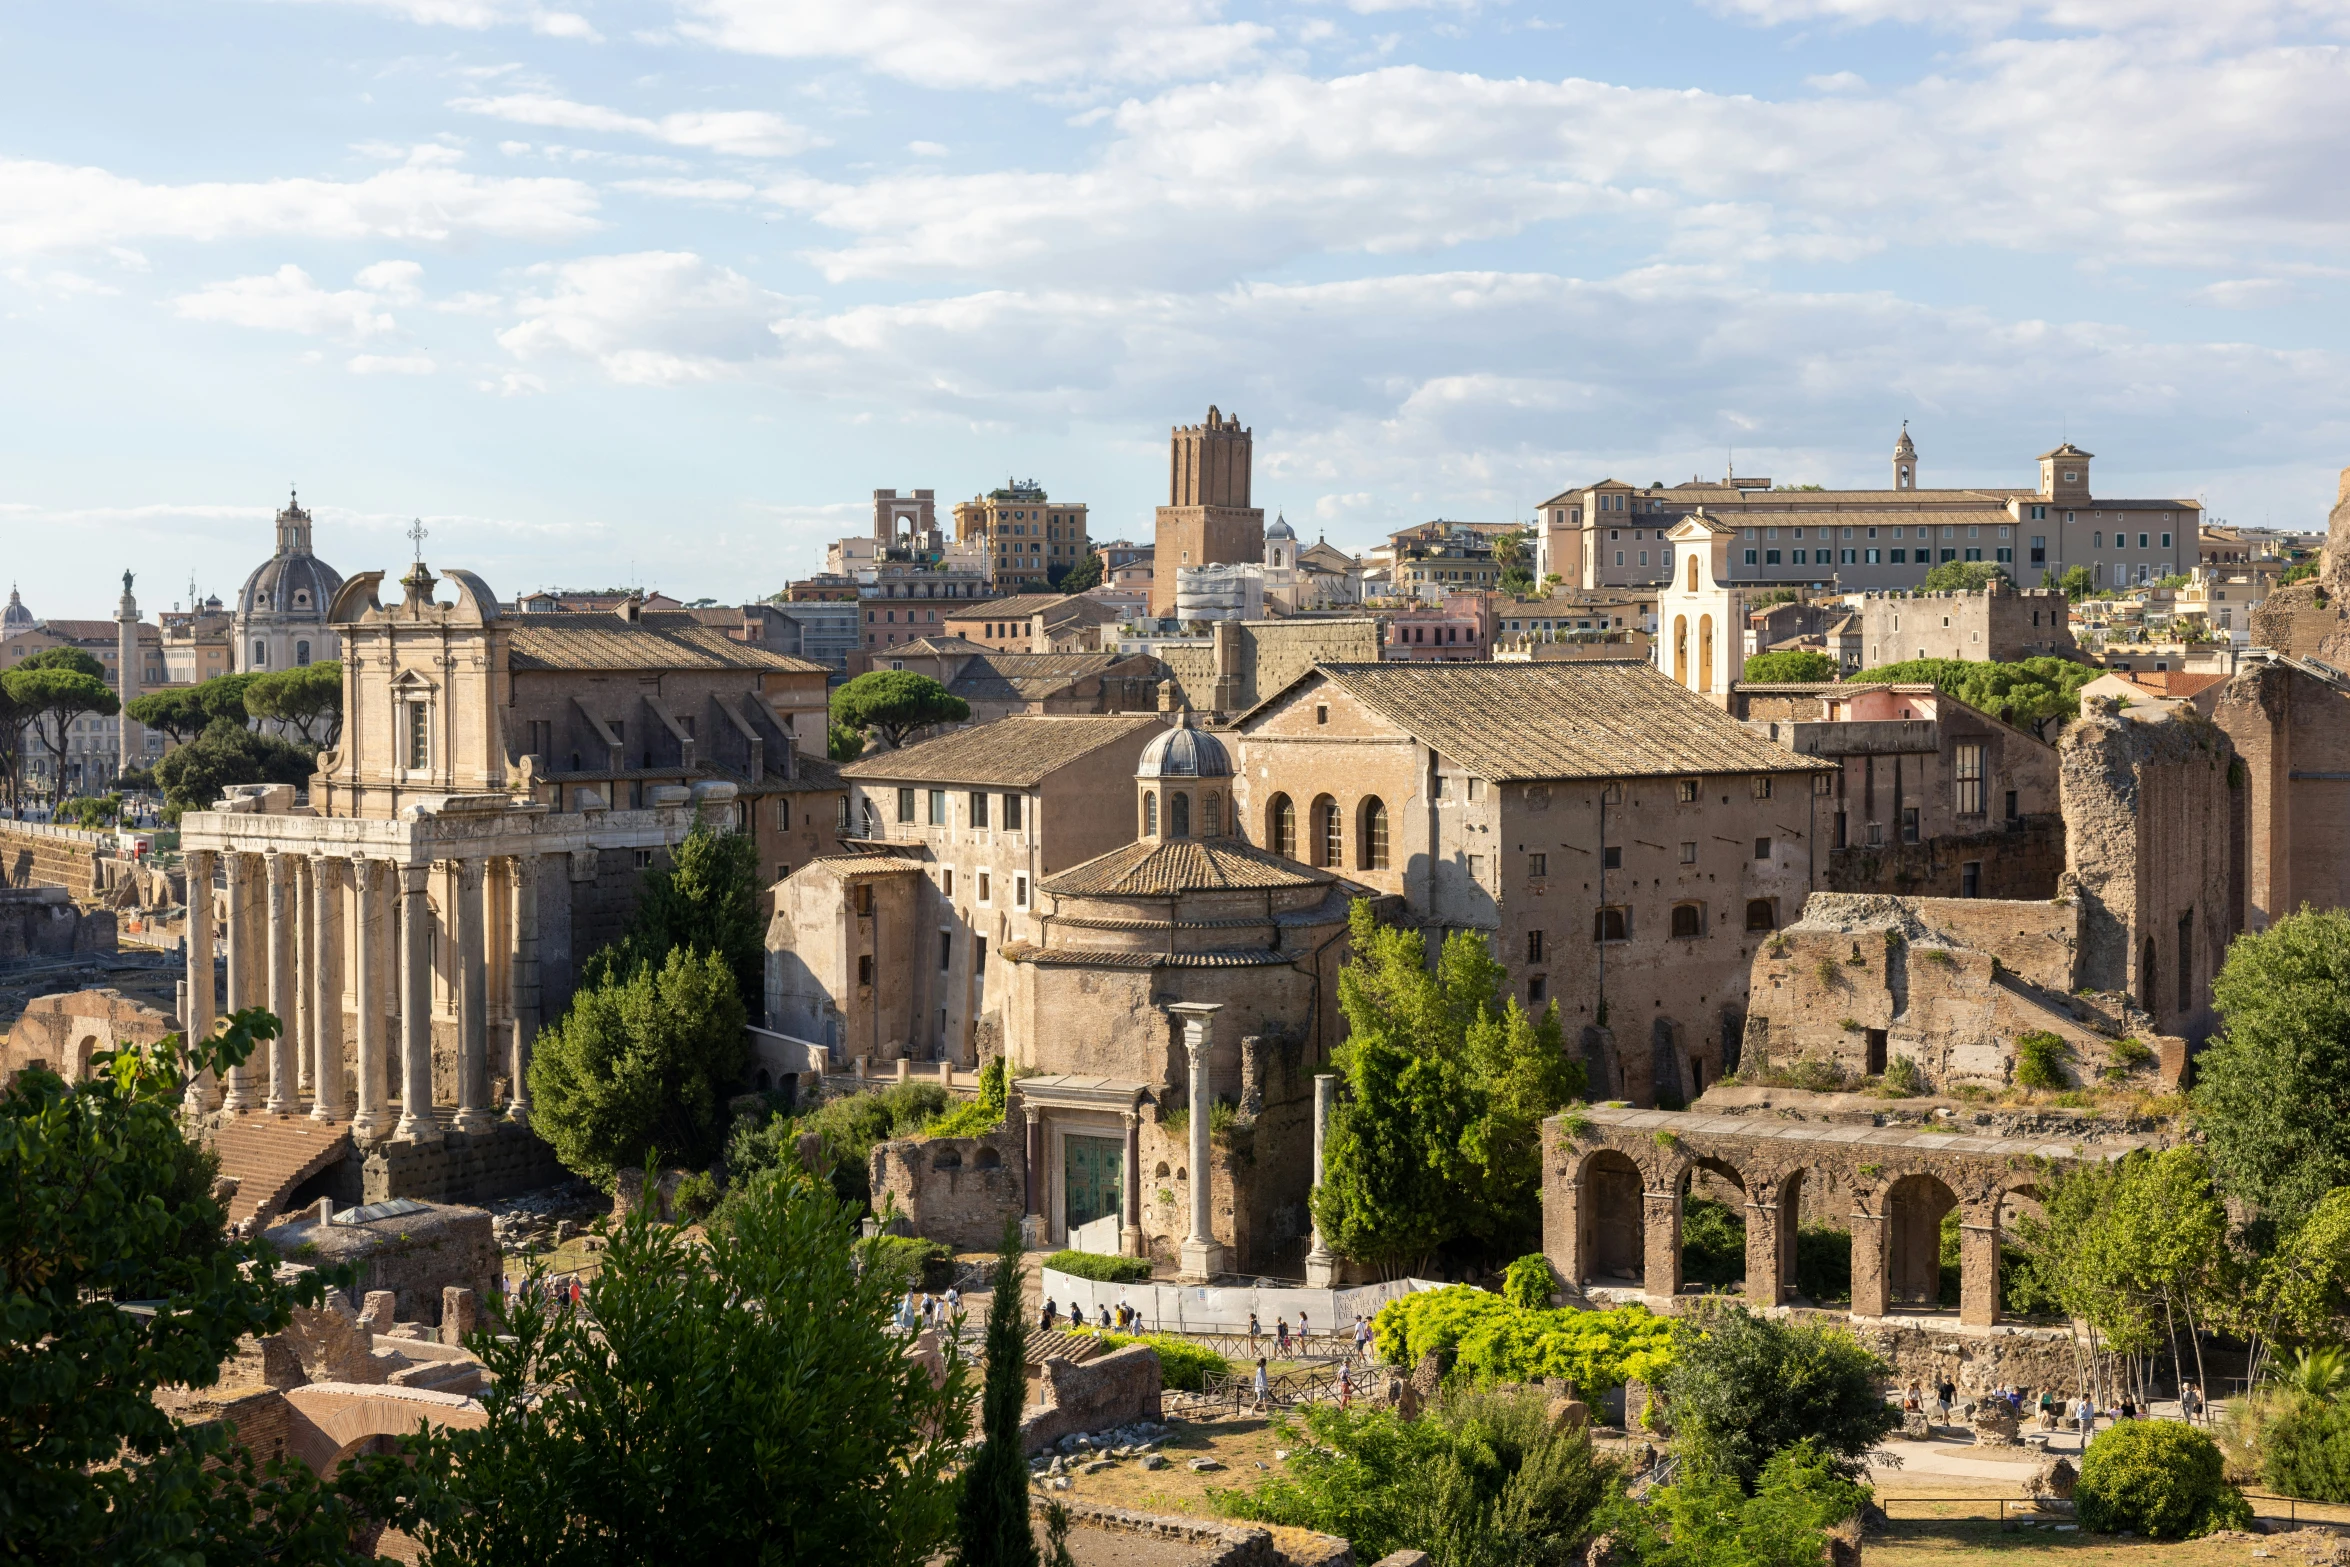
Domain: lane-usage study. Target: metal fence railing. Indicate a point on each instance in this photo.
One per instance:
(2293, 1511)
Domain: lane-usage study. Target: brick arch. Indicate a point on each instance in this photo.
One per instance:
(328, 1423)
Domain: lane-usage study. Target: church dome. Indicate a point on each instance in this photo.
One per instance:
(1184, 752)
(15, 617)
(1281, 528)
(293, 582)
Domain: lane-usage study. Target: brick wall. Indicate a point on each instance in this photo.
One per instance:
(954, 1189)
(35, 855)
(1100, 1395)
(2010, 864)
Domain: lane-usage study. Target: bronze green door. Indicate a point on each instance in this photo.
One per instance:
(1093, 1171)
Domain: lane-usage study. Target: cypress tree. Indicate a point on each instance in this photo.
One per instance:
(995, 1529)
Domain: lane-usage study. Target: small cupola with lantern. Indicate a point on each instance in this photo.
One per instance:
(1183, 784)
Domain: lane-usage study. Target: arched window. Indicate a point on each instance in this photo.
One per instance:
(1281, 826)
(1693, 572)
(302, 655)
(1688, 919)
(1328, 834)
(1761, 914)
(1680, 650)
(1371, 838)
(1179, 815)
(1150, 814)
(1212, 815)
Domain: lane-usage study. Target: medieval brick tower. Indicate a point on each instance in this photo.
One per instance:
(1207, 519)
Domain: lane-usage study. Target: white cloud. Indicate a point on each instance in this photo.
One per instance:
(748, 133)
(478, 15)
(53, 206)
(2080, 145)
(655, 317)
(288, 301)
(965, 44)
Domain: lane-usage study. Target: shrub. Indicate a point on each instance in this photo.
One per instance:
(1741, 1387)
(979, 1116)
(1494, 1341)
(695, 1197)
(2039, 1059)
(1185, 1366)
(1704, 1519)
(1823, 1264)
(1828, 974)
(1481, 1481)
(2303, 1442)
(1713, 1242)
(922, 1264)
(1529, 1281)
(2130, 1054)
(1100, 1269)
(2159, 1478)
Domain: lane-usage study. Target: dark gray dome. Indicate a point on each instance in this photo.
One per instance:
(1184, 752)
(15, 617)
(290, 585)
(1281, 528)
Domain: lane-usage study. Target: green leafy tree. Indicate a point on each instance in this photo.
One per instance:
(1705, 1520)
(305, 699)
(194, 775)
(1483, 1480)
(2304, 571)
(2077, 583)
(1439, 1135)
(993, 1525)
(1087, 573)
(223, 696)
(1962, 576)
(1741, 1388)
(52, 688)
(641, 1065)
(2031, 693)
(977, 1117)
(893, 703)
(2272, 1092)
(845, 1130)
(103, 1200)
(841, 743)
(739, 1399)
(176, 712)
(1792, 665)
(705, 900)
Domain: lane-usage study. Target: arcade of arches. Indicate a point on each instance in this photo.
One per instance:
(1612, 1195)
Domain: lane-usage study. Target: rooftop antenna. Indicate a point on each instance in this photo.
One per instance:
(417, 534)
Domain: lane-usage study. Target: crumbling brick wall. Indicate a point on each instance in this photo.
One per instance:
(2150, 807)
(1099, 1395)
(959, 1190)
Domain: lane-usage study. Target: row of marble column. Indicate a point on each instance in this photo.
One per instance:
(287, 949)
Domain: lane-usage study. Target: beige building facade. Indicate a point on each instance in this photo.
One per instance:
(1029, 539)
(1623, 845)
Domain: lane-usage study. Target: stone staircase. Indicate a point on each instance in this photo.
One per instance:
(270, 1156)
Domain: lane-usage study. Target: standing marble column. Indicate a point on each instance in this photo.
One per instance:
(468, 958)
(1130, 1219)
(203, 1088)
(305, 1034)
(244, 969)
(416, 1118)
(1202, 1258)
(371, 1118)
(283, 998)
(326, 988)
(1321, 1266)
(1032, 1157)
(524, 881)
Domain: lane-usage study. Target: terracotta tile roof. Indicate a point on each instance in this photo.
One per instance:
(659, 640)
(1017, 751)
(2171, 682)
(1023, 605)
(1161, 868)
(813, 775)
(1604, 718)
(1103, 957)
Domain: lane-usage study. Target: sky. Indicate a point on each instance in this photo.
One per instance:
(659, 291)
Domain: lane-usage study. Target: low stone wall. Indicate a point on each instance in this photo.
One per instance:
(417, 1256)
(1099, 1395)
(43, 922)
(34, 854)
(1976, 1359)
(463, 1167)
(954, 1189)
(1218, 1545)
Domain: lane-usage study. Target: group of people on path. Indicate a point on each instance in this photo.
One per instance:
(2078, 1412)
(919, 1310)
(1125, 1318)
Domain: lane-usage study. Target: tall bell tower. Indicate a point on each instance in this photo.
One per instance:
(1905, 461)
